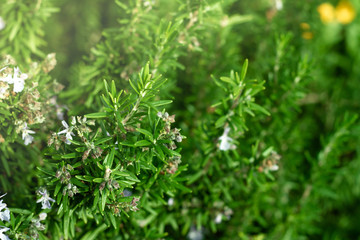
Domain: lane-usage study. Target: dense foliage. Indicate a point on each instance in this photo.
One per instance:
(157, 119)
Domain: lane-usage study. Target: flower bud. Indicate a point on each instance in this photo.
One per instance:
(115, 184)
(70, 193)
(102, 186)
(178, 138)
(58, 174)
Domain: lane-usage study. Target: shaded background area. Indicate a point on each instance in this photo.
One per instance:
(76, 29)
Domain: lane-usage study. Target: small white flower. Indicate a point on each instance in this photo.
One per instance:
(4, 215)
(226, 141)
(26, 135)
(218, 218)
(228, 212)
(171, 201)
(274, 167)
(8, 78)
(45, 198)
(2, 235)
(195, 234)
(19, 80)
(4, 90)
(278, 5)
(2, 23)
(42, 216)
(68, 132)
(73, 120)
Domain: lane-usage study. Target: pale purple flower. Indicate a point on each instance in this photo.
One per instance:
(2, 235)
(127, 193)
(67, 131)
(226, 141)
(45, 198)
(26, 135)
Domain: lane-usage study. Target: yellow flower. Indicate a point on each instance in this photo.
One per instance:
(304, 26)
(327, 12)
(307, 35)
(344, 12)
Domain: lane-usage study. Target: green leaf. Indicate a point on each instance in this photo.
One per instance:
(71, 155)
(159, 153)
(79, 183)
(93, 235)
(112, 220)
(15, 28)
(113, 89)
(46, 171)
(98, 180)
(160, 103)
(244, 70)
(220, 122)
(85, 178)
(103, 199)
(102, 140)
(146, 71)
(181, 187)
(75, 142)
(227, 80)
(96, 198)
(5, 165)
(121, 173)
(120, 4)
(195, 177)
(20, 211)
(66, 224)
(108, 161)
(97, 115)
(259, 108)
(57, 188)
(127, 144)
(106, 85)
(134, 87)
(142, 143)
(169, 151)
(132, 177)
(145, 132)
